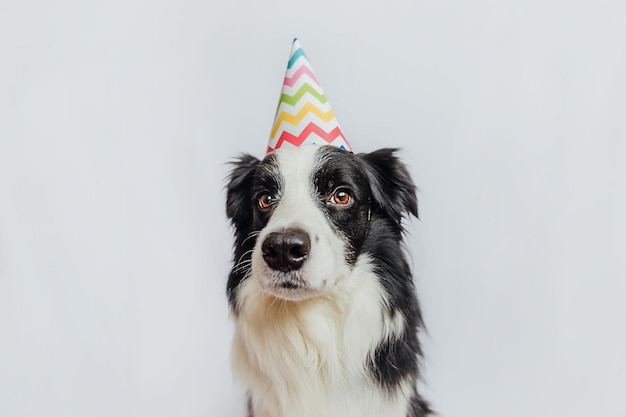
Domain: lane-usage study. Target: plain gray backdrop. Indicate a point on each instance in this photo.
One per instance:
(118, 118)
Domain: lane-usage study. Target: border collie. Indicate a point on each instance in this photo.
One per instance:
(325, 310)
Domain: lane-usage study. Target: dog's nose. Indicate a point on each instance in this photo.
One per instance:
(286, 251)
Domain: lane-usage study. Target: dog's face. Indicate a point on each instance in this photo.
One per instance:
(311, 209)
(302, 215)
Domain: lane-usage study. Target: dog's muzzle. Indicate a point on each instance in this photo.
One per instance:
(286, 250)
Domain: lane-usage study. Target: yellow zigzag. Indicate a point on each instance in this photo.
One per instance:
(295, 119)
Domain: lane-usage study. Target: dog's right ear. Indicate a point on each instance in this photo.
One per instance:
(239, 188)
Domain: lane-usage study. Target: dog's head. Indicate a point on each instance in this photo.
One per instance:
(303, 215)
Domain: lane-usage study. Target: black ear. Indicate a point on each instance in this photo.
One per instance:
(392, 187)
(239, 189)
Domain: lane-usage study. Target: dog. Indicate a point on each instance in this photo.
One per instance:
(321, 293)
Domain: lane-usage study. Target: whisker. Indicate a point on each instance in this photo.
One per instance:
(243, 266)
(244, 254)
(243, 263)
(251, 235)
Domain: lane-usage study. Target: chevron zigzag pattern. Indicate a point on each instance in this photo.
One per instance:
(301, 71)
(310, 130)
(306, 88)
(295, 119)
(304, 115)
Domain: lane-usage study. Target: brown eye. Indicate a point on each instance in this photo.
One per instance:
(265, 201)
(341, 198)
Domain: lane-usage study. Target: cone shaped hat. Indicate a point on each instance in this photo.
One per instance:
(304, 115)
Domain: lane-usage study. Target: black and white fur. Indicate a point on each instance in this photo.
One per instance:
(322, 295)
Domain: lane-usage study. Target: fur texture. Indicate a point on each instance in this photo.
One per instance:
(322, 296)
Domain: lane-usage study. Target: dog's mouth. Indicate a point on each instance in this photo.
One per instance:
(288, 285)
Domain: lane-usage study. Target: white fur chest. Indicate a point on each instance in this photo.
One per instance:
(309, 358)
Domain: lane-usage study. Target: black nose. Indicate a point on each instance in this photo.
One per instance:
(286, 251)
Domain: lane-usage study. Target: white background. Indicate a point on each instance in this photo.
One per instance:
(117, 120)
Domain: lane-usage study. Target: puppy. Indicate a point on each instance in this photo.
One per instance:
(325, 310)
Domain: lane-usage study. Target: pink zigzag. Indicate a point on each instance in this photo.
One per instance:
(302, 70)
(308, 130)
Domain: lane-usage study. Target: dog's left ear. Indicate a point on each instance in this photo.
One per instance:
(238, 196)
(393, 189)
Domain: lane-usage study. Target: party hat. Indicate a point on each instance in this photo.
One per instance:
(304, 115)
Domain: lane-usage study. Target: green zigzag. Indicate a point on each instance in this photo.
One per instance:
(284, 98)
